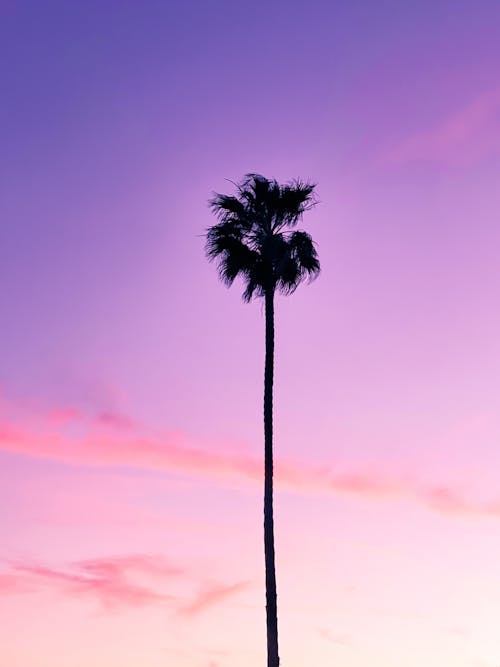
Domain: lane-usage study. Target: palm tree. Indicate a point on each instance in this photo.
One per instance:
(256, 240)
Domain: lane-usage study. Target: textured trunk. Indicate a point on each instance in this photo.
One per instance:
(271, 605)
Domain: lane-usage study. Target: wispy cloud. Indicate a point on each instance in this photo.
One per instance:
(114, 582)
(450, 501)
(116, 420)
(118, 440)
(13, 584)
(121, 582)
(212, 595)
(466, 134)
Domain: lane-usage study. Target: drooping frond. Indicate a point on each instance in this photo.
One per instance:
(226, 245)
(297, 262)
(303, 249)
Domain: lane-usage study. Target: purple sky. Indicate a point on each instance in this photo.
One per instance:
(117, 121)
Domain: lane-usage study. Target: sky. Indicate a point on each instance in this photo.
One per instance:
(131, 379)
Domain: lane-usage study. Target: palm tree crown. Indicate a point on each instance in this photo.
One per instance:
(253, 238)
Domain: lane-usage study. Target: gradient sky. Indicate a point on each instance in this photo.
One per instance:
(131, 380)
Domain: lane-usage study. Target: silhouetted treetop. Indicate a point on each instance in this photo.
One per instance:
(255, 239)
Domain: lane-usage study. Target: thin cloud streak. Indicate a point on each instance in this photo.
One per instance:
(120, 443)
(449, 501)
(111, 446)
(116, 583)
(466, 135)
(212, 595)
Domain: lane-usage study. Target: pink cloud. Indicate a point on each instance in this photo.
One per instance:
(114, 582)
(212, 595)
(81, 440)
(143, 564)
(63, 415)
(449, 501)
(13, 584)
(114, 446)
(465, 135)
(115, 420)
(116, 440)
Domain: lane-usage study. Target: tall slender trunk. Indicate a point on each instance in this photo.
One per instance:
(271, 604)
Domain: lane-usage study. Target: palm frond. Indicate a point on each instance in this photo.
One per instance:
(289, 276)
(220, 237)
(222, 204)
(296, 198)
(225, 244)
(302, 247)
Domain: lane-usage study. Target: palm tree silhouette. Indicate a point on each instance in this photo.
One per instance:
(255, 239)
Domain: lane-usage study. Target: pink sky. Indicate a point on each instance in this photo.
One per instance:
(131, 380)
